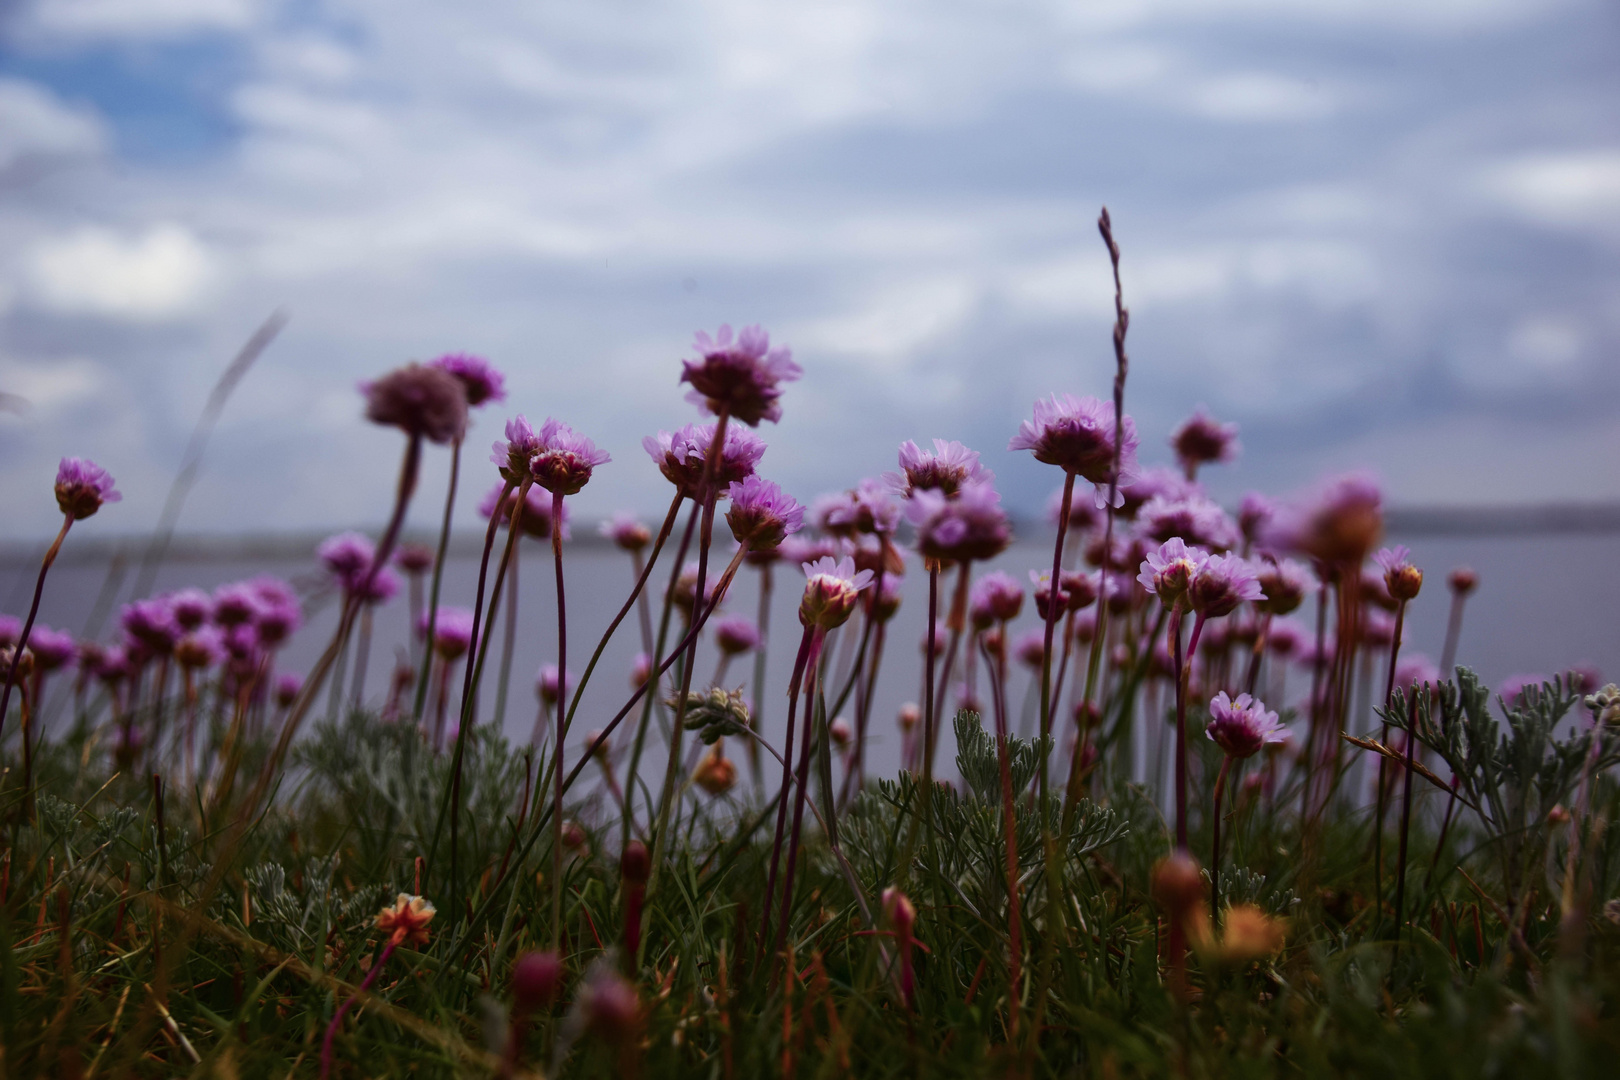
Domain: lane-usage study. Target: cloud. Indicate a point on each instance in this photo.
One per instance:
(158, 274)
(139, 18)
(35, 123)
(1576, 189)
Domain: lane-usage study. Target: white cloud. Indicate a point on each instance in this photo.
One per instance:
(52, 385)
(1577, 189)
(36, 123)
(156, 275)
(140, 18)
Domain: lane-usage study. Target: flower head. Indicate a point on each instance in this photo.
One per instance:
(1193, 517)
(420, 400)
(1202, 439)
(537, 506)
(1083, 513)
(945, 470)
(82, 486)
(715, 772)
(996, 597)
(735, 634)
(452, 631)
(971, 526)
(1076, 591)
(406, 920)
(546, 684)
(51, 648)
(477, 376)
(191, 607)
(1154, 480)
(377, 588)
(201, 648)
(513, 454)
(1170, 571)
(10, 630)
(868, 508)
(536, 980)
(1401, 578)
(1222, 583)
(830, 591)
(347, 557)
(1243, 726)
(1340, 523)
(1283, 585)
(626, 532)
(739, 377)
(1248, 933)
(565, 459)
(236, 603)
(1254, 514)
(151, 622)
(1030, 647)
(884, 600)
(1463, 580)
(414, 558)
(762, 515)
(683, 455)
(1077, 435)
(1415, 669)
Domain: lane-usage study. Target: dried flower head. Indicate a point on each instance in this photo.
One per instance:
(1202, 439)
(1605, 706)
(762, 515)
(478, 377)
(715, 773)
(1401, 578)
(1242, 727)
(82, 486)
(740, 377)
(18, 667)
(945, 470)
(420, 400)
(406, 920)
(830, 591)
(565, 460)
(971, 526)
(1077, 435)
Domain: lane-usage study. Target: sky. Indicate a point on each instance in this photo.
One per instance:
(1379, 233)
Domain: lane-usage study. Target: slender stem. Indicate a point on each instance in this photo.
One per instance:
(337, 1018)
(1182, 662)
(562, 695)
(1315, 702)
(787, 778)
(1015, 948)
(763, 626)
(1406, 819)
(509, 645)
(1383, 737)
(438, 576)
(801, 795)
(1052, 606)
(362, 654)
(28, 625)
(1215, 852)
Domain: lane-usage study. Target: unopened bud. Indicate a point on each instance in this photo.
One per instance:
(635, 865)
(536, 980)
(1177, 885)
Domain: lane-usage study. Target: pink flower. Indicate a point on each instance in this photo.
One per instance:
(1083, 514)
(201, 648)
(1242, 727)
(1153, 480)
(477, 376)
(82, 486)
(545, 683)
(414, 558)
(347, 557)
(1254, 514)
(1077, 435)
(1201, 439)
(287, 688)
(191, 607)
(762, 515)
(1339, 523)
(1193, 517)
(830, 591)
(1030, 648)
(513, 454)
(419, 400)
(1222, 583)
(452, 631)
(235, 603)
(1286, 637)
(868, 508)
(946, 469)
(740, 377)
(1170, 571)
(1401, 578)
(565, 460)
(51, 648)
(683, 455)
(971, 526)
(626, 532)
(1283, 585)
(735, 634)
(996, 597)
(1415, 669)
(151, 622)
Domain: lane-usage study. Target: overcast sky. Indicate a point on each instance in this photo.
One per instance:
(1380, 232)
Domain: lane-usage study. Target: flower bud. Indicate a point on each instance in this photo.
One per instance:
(1463, 580)
(1177, 885)
(715, 773)
(899, 910)
(573, 837)
(910, 715)
(635, 865)
(536, 980)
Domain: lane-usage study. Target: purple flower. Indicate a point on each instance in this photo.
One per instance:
(191, 607)
(51, 648)
(1030, 648)
(739, 377)
(414, 558)
(830, 591)
(1201, 439)
(1286, 637)
(1415, 669)
(867, 508)
(201, 648)
(287, 687)
(971, 526)
(883, 601)
(1077, 435)
(1076, 591)
(626, 532)
(82, 486)
(1401, 578)
(236, 603)
(1154, 480)
(996, 597)
(762, 514)
(1283, 584)
(1339, 523)
(378, 588)
(478, 377)
(641, 670)
(1221, 584)
(1194, 518)
(513, 454)
(536, 520)
(151, 622)
(1243, 727)
(566, 459)
(545, 683)
(1515, 689)
(10, 630)
(735, 634)
(946, 469)
(1254, 514)
(452, 631)
(419, 400)
(1083, 513)
(683, 455)
(347, 557)
(1169, 572)
(802, 548)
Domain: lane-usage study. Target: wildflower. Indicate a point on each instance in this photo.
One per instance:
(51, 648)
(1283, 585)
(1340, 523)
(715, 772)
(1377, 628)
(565, 460)
(1242, 727)
(1285, 637)
(1254, 514)
(909, 716)
(201, 648)
(735, 634)
(1082, 512)
(609, 1005)
(882, 602)
(626, 532)
(803, 549)
(996, 597)
(414, 558)
(830, 591)
(420, 400)
(945, 470)
(1030, 648)
(1463, 580)
(1401, 578)
(478, 377)
(1247, 933)
(641, 669)
(971, 526)
(1177, 885)
(741, 377)
(10, 630)
(536, 980)
(683, 456)
(762, 514)
(151, 622)
(546, 684)
(1077, 435)
(868, 508)
(452, 632)
(537, 511)
(841, 733)
(573, 837)
(902, 915)
(1170, 571)
(1201, 439)
(1194, 518)
(406, 920)
(276, 622)
(513, 454)
(236, 603)
(82, 486)
(1135, 491)
(1515, 689)
(18, 666)
(287, 688)
(377, 588)
(347, 557)
(1222, 583)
